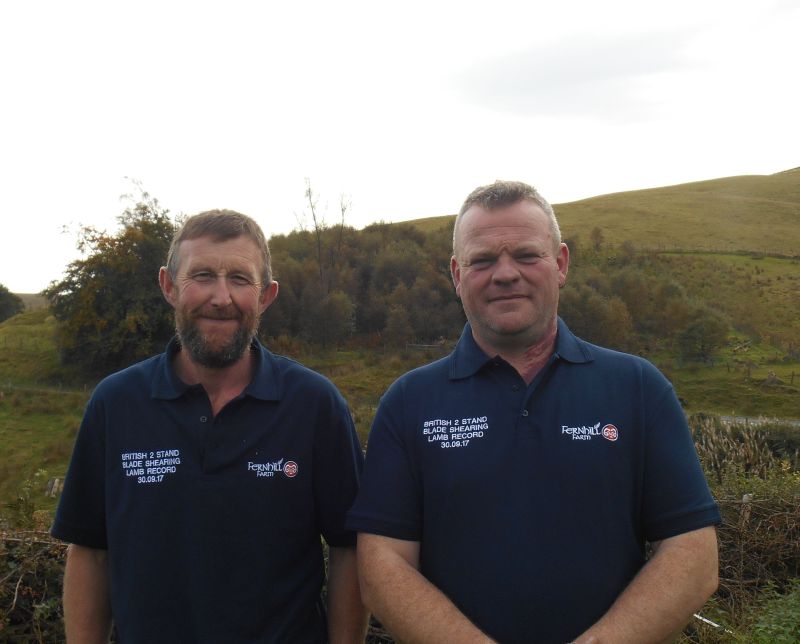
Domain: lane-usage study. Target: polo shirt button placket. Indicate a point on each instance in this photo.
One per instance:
(524, 413)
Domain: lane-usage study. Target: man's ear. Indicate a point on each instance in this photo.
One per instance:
(455, 273)
(562, 260)
(268, 296)
(167, 285)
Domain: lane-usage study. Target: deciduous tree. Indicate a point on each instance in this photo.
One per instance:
(704, 334)
(110, 310)
(10, 304)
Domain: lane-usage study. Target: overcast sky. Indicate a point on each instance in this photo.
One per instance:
(404, 107)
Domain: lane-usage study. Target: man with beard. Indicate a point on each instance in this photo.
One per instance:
(203, 478)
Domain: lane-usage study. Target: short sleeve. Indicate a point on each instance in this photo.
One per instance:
(676, 495)
(80, 517)
(389, 501)
(338, 461)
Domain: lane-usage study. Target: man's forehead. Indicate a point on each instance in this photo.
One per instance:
(219, 252)
(520, 221)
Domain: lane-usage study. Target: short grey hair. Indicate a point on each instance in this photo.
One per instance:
(221, 225)
(507, 193)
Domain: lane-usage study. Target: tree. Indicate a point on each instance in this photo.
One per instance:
(703, 336)
(398, 327)
(10, 304)
(597, 318)
(110, 310)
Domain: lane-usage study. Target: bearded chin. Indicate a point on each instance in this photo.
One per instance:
(202, 353)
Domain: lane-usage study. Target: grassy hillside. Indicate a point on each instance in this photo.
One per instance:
(760, 295)
(749, 213)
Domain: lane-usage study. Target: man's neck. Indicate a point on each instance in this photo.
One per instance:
(221, 385)
(527, 360)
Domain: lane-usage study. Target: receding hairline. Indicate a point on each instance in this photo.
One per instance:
(484, 197)
(219, 226)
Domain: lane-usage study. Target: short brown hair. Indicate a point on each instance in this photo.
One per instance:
(506, 193)
(220, 225)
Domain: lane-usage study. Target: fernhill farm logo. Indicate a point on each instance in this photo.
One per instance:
(588, 432)
(610, 432)
(268, 470)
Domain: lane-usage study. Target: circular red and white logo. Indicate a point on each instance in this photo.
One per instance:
(610, 433)
(290, 469)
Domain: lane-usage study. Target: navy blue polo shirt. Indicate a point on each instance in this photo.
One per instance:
(532, 503)
(213, 524)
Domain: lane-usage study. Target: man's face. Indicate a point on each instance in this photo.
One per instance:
(218, 298)
(507, 272)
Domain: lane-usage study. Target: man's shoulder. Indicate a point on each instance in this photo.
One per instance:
(139, 374)
(295, 375)
(618, 363)
(427, 376)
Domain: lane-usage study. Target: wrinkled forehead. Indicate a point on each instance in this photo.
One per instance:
(235, 253)
(520, 223)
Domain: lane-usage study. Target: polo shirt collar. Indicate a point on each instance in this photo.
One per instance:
(570, 347)
(468, 358)
(267, 383)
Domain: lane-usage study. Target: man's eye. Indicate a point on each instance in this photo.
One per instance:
(240, 280)
(527, 258)
(481, 262)
(203, 277)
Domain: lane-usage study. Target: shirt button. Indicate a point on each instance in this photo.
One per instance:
(203, 419)
(524, 412)
(514, 387)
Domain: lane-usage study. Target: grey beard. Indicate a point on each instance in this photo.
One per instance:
(192, 340)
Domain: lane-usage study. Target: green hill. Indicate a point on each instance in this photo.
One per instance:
(759, 213)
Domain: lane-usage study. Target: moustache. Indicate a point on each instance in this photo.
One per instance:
(217, 314)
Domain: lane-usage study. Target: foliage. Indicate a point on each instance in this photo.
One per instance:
(780, 616)
(704, 334)
(759, 495)
(109, 307)
(722, 448)
(10, 304)
(377, 269)
(31, 570)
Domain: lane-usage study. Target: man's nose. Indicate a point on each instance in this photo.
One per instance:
(505, 270)
(220, 294)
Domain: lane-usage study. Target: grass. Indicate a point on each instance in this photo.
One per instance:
(37, 430)
(28, 355)
(39, 415)
(720, 390)
(759, 293)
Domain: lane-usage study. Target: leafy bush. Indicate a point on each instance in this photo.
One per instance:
(758, 491)
(780, 620)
